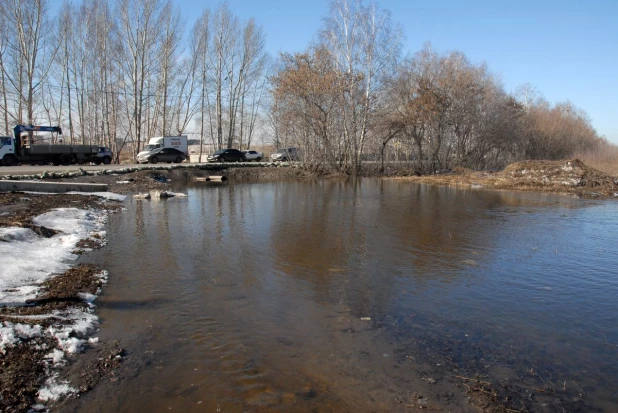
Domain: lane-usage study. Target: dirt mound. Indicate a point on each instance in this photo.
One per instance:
(564, 177)
(569, 176)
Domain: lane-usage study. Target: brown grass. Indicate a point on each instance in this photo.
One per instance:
(604, 158)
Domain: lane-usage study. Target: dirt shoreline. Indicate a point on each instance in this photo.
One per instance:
(24, 367)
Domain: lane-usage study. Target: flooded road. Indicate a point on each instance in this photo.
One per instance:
(368, 296)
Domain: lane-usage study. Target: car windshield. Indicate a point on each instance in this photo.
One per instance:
(281, 151)
(220, 151)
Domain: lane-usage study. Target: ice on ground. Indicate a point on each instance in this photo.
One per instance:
(29, 259)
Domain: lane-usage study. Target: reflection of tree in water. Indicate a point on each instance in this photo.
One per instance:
(361, 242)
(326, 241)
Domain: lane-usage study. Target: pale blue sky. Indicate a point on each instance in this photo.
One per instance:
(567, 49)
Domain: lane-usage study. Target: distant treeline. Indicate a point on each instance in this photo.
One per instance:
(352, 96)
(118, 72)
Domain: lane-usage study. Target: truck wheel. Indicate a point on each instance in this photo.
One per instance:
(97, 162)
(258, 159)
(154, 159)
(66, 159)
(9, 161)
(107, 160)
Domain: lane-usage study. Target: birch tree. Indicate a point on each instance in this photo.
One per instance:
(364, 44)
(140, 26)
(200, 39)
(29, 53)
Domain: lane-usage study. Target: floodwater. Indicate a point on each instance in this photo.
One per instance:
(366, 296)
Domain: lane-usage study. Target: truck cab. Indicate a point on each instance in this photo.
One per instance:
(7, 150)
(176, 142)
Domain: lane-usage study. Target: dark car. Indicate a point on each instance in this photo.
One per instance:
(103, 156)
(162, 155)
(227, 155)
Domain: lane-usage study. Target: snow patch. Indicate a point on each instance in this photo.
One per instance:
(107, 195)
(56, 357)
(112, 196)
(20, 274)
(80, 322)
(11, 334)
(54, 390)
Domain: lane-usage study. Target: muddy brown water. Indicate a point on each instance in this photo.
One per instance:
(366, 296)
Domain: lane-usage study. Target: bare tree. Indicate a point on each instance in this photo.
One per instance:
(4, 87)
(168, 50)
(141, 27)
(30, 53)
(224, 54)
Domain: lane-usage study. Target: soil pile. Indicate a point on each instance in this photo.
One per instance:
(564, 177)
(569, 176)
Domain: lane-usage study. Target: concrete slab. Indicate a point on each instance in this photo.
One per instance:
(53, 187)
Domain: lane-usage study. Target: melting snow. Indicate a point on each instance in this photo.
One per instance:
(53, 390)
(11, 334)
(29, 259)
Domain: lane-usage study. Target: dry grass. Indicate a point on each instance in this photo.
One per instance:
(605, 159)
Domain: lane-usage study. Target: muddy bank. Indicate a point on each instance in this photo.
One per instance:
(571, 177)
(27, 365)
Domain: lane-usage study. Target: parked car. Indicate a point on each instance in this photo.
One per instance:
(161, 155)
(285, 155)
(253, 155)
(227, 155)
